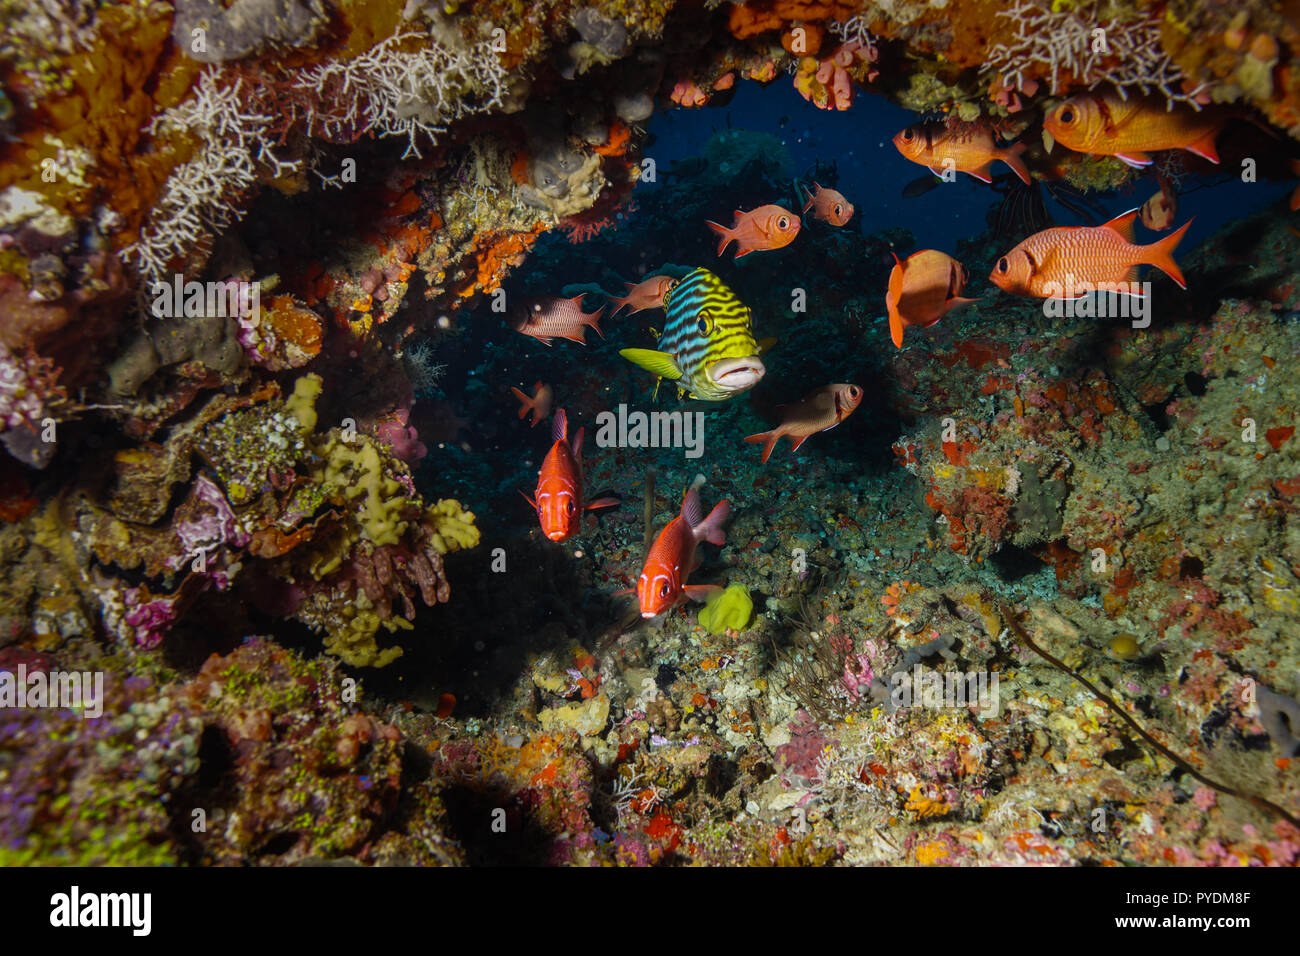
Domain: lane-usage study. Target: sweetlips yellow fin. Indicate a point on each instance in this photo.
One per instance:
(659, 363)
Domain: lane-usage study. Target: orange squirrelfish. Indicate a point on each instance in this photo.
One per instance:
(1052, 263)
(1104, 124)
(767, 227)
(829, 205)
(967, 148)
(539, 404)
(672, 558)
(923, 288)
(646, 294)
(818, 411)
(559, 503)
(552, 317)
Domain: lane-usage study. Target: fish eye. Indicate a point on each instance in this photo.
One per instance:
(663, 590)
(854, 392)
(908, 134)
(705, 325)
(839, 210)
(568, 505)
(783, 223)
(1067, 116)
(1003, 265)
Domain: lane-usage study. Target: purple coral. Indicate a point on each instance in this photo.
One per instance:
(149, 619)
(398, 435)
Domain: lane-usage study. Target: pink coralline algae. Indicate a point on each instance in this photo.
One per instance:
(29, 393)
(394, 431)
(149, 619)
(207, 528)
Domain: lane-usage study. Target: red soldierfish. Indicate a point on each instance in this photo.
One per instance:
(828, 205)
(767, 227)
(551, 317)
(559, 503)
(818, 411)
(539, 404)
(1049, 264)
(964, 147)
(922, 290)
(646, 294)
(672, 558)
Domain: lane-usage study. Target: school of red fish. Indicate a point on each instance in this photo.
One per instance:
(921, 290)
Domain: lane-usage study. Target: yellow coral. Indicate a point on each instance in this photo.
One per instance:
(453, 527)
(355, 643)
(302, 403)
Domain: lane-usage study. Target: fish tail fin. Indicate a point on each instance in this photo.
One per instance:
(526, 404)
(809, 196)
(1205, 145)
(710, 529)
(591, 318)
(1161, 254)
(725, 235)
(1011, 156)
(769, 442)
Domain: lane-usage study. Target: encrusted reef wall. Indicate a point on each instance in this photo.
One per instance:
(233, 238)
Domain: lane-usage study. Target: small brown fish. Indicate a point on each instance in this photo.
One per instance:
(923, 288)
(552, 317)
(646, 294)
(818, 411)
(966, 147)
(767, 227)
(1159, 211)
(1106, 124)
(828, 205)
(539, 404)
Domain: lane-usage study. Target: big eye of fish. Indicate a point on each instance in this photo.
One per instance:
(1066, 116)
(663, 590)
(568, 506)
(839, 210)
(854, 392)
(705, 325)
(1003, 265)
(907, 135)
(783, 223)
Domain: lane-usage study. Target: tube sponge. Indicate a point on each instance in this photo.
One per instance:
(733, 609)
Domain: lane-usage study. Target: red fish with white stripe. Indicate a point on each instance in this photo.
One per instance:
(672, 558)
(559, 503)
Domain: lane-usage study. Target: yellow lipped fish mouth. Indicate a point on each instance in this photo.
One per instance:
(737, 374)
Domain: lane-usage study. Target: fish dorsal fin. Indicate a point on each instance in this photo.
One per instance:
(659, 363)
(692, 510)
(1123, 224)
(559, 426)
(576, 447)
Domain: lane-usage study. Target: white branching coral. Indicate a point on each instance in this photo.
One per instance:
(1090, 44)
(396, 92)
(199, 196)
(389, 90)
